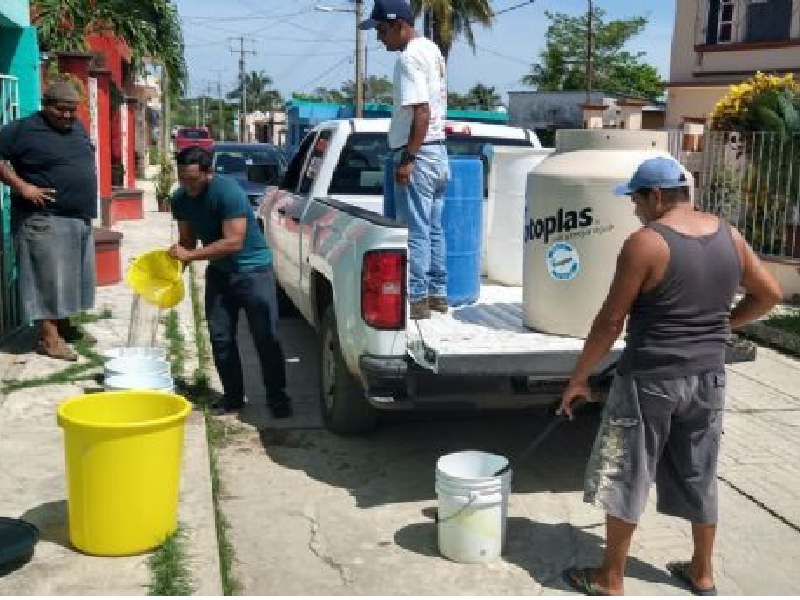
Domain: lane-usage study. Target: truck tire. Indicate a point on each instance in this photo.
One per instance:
(345, 409)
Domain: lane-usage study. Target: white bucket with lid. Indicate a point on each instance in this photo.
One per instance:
(473, 505)
(140, 381)
(129, 365)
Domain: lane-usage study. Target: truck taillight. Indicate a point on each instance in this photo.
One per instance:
(383, 277)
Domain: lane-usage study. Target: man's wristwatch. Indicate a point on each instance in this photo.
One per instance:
(406, 157)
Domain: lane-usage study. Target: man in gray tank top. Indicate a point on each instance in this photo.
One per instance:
(675, 283)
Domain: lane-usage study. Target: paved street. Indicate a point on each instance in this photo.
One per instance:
(313, 513)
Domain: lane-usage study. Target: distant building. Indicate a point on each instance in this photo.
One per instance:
(546, 112)
(716, 43)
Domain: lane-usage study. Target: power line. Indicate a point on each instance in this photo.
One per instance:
(515, 7)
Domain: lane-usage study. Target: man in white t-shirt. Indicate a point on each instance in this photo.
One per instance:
(416, 137)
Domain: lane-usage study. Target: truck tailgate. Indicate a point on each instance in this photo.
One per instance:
(488, 338)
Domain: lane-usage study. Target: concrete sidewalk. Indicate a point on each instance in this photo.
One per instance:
(32, 476)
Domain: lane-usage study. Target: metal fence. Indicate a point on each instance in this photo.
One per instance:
(9, 299)
(753, 181)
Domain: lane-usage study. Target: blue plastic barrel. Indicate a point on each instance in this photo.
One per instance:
(462, 222)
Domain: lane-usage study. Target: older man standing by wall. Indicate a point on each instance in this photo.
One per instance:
(48, 162)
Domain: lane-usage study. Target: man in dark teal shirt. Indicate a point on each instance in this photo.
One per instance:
(214, 210)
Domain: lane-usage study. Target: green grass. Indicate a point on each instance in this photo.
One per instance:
(175, 350)
(68, 375)
(84, 317)
(170, 577)
(215, 433)
(790, 323)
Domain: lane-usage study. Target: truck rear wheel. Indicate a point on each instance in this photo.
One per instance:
(345, 408)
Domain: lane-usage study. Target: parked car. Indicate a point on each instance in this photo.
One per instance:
(186, 137)
(255, 166)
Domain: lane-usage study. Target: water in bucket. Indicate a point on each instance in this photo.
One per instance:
(473, 505)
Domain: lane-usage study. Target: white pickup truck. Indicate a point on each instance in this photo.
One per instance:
(343, 265)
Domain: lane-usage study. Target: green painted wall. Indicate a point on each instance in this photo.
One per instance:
(19, 56)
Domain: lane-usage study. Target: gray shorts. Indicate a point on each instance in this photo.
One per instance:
(667, 431)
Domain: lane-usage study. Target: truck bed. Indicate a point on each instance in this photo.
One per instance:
(488, 338)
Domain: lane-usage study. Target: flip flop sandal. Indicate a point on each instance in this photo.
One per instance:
(582, 583)
(678, 571)
(60, 352)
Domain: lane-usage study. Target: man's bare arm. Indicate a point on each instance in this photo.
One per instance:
(37, 196)
(233, 233)
(419, 127)
(762, 290)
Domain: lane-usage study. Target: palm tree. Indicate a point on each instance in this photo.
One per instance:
(260, 93)
(444, 20)
(483, 97)
(150, 28)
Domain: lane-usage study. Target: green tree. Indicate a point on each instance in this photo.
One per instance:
(457, 101)
(483, 97)
(562, 65)
(444, 20)
(260, 93)
(376, 89)
(151, 28)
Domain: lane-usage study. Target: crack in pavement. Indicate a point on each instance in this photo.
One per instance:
(760, 504)
(317, 547)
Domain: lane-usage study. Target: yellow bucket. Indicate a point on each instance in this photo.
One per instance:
(123, 459)
(157, 277)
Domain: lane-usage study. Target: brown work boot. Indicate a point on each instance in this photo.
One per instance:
(58, 350)
(438, 303)
(420, 309)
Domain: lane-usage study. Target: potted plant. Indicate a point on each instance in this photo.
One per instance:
(164, 182)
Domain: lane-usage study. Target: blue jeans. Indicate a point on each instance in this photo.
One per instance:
(253, 292)
(420, 205)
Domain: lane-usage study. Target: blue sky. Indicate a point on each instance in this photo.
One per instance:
(302, 48)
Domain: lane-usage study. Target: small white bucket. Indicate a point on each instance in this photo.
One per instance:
(140, 381)
(129, 365)
(473, 505)
(143, 351)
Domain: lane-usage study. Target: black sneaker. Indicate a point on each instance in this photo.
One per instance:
(280, 405)
(222, 407)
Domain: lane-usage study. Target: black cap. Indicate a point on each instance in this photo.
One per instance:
(388, 10)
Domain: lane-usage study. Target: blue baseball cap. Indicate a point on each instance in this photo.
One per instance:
(660, 172)
(388, 10)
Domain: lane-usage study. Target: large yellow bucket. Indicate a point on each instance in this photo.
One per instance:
(157, 277)
(123, 458)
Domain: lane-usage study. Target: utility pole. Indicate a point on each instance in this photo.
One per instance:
(243, 132)
(589, 54)
(221, 135)
(359, 100)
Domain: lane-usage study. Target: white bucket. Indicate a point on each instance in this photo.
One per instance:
(473, 505)
(140, 381)
(130, 365)
(145, 351)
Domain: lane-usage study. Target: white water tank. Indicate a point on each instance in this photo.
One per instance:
(505, 211)
(575, 226)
